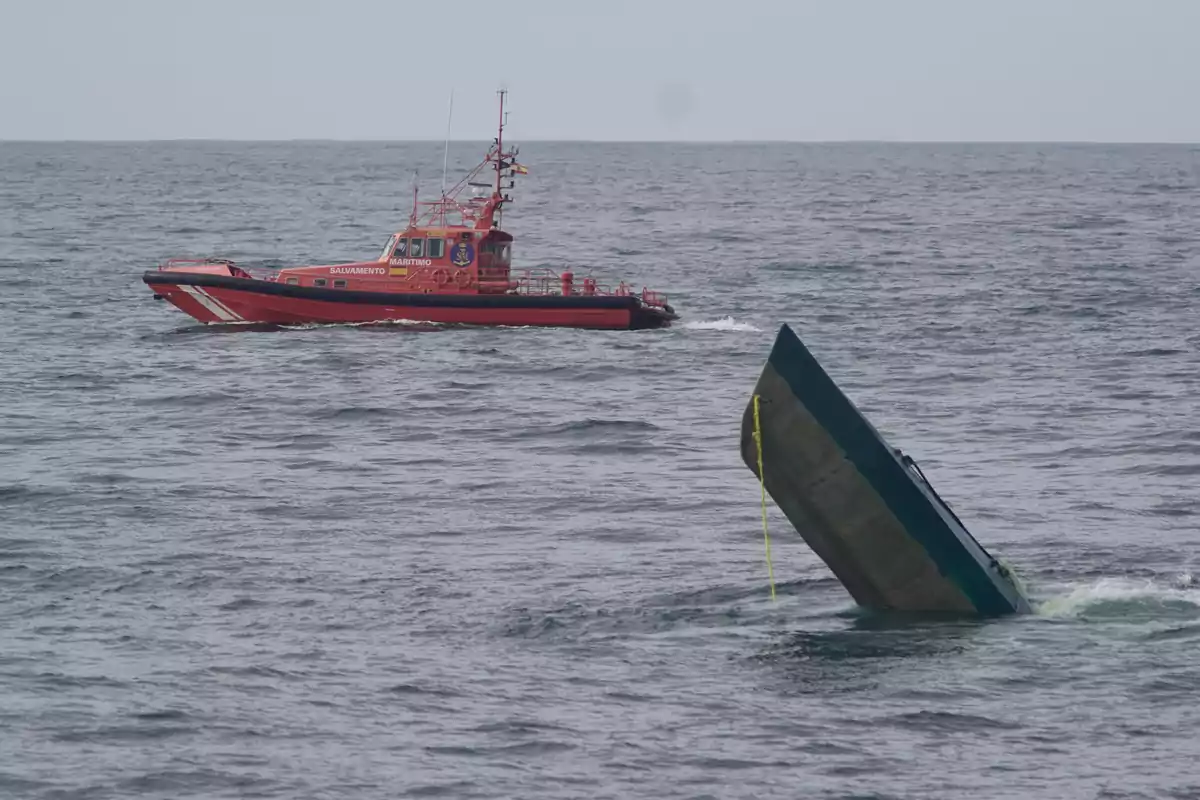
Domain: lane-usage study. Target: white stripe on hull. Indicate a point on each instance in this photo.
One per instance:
(221, 305)
(215, 306)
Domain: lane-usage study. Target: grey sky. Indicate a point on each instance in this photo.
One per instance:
(932, 70)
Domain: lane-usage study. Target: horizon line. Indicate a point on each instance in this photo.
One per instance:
(368, 140)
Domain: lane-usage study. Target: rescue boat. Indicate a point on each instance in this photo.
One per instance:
(451, 264)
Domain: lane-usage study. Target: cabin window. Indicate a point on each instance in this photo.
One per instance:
(339, 284)
(293, 281)
(416, 248)
(319, 282)
(437, 248)
(504, 251)
(485, 248)
(401, 250)
(387, 248)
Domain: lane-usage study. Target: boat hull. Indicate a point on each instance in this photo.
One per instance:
(214, 298)
(862, 506)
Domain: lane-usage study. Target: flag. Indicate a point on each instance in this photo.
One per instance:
(520, 169)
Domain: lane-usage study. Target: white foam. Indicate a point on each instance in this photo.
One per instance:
(1117, 593)
(311, 326)
(722, 324)
(393, 322)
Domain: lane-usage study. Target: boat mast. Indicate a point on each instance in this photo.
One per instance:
(446, 153)
(500, 142)
(412, 218)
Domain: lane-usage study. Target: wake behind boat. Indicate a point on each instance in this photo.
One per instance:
(451, 264)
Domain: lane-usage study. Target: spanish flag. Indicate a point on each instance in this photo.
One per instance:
(520, 169)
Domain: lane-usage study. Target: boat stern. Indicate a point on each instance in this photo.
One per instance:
(646, 316)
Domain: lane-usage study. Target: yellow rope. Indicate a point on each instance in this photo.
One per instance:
(763, 487)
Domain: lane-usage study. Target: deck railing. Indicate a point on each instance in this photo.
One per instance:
(174, 263)
(261, 273)
(543, 281)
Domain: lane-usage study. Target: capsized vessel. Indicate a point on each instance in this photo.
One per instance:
(865, 508)
(452, 263)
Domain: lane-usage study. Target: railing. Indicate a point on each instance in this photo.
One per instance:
(652, 298)
(172, 263)
(544, 281)
(261, 273)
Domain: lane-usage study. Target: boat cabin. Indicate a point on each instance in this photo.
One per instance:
(450, 244)
(486, 256)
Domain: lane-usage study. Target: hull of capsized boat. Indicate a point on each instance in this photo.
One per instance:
(864, 508)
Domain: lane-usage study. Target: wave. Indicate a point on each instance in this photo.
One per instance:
(1125, 598)
(728, 324)
(589, 426)
(380, 323)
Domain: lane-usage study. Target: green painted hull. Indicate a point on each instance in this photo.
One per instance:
(862, 506)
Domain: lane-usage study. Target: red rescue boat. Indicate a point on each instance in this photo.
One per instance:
(451, 264)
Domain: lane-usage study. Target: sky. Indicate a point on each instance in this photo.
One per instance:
(602, 70)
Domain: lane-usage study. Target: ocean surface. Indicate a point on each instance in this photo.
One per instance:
(418, 561)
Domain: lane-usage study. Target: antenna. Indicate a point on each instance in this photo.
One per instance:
(500, 140)
(412, 218)
(446, 155)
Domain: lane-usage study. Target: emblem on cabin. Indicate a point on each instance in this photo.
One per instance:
(462, 254)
